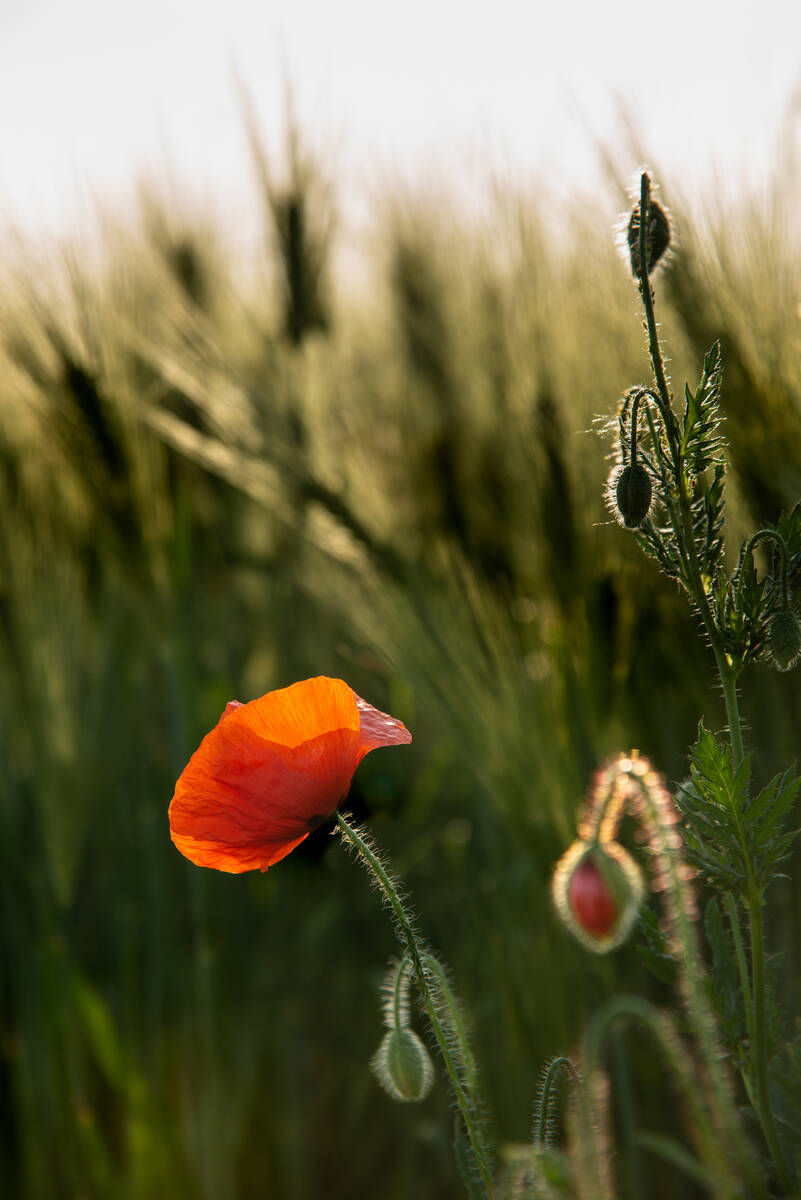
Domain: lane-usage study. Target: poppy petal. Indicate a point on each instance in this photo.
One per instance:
(378, 728)
(272, 770)
(233, 859)
(267, 773)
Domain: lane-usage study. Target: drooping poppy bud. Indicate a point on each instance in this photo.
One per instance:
(591, 900)
(403, 1066)
(657, 236)
(632, 494)
(597, 889)
(784, 637)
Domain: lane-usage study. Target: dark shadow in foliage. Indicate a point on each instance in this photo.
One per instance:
(763, 432)
(422, 321)
(300, 220)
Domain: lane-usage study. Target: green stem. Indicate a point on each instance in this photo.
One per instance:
(695, 582)
(728, 680)
(417, 955)
(728, 683)
(704, 1129)
(435, 967)
(757, 1004)
(759, 1056)
(730, 905)
(663, 397)
(399, 990)
(557, 1069)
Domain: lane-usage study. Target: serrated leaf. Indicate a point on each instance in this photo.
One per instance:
(653, 951)
(661, 966)
(702, 441)
(782, 798)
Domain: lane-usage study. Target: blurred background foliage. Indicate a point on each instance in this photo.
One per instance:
(218, 478)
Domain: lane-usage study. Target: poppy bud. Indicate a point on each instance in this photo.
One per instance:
(591, 900)
(784, 636)
(657, 236)
(632, 494)
(597, 889)
(403, 1066)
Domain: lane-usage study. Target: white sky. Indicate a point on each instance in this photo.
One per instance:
(93, 92)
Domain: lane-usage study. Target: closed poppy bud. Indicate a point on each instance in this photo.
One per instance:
(403, 1066)
(591, 900)
(632, 494)
(597, 889)
(657, 236)
(784, 634)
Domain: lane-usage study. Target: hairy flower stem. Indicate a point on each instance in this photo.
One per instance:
(769, 535)
(555, 1072)
(728, 680)
(650, 802)
(434, 968)
(421, 964)
(719, 1163)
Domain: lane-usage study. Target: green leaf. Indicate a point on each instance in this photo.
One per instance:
(702, 442)
(670, 1151)
(653, 951)
(724, 980)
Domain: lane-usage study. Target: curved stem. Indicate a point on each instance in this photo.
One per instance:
(770, 535)
(702, 1125)
(397, 995)
(555, 1070)
(417, 955)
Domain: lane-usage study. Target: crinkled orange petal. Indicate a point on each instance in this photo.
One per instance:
(268, 773)
(378, 728)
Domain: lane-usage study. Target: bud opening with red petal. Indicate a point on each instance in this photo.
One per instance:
(597, 888)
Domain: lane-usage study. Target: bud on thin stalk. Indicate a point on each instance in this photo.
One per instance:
(597, 889)
(784, 635)
(629, 489)
(657, 236)
(402, 1066)
(784, 627)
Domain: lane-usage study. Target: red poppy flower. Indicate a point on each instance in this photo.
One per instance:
(272, 770)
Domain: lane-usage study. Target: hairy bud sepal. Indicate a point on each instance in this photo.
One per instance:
(784, 638)
(403, 1066)
(657, 236)
(630, 494)
(597, 889)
